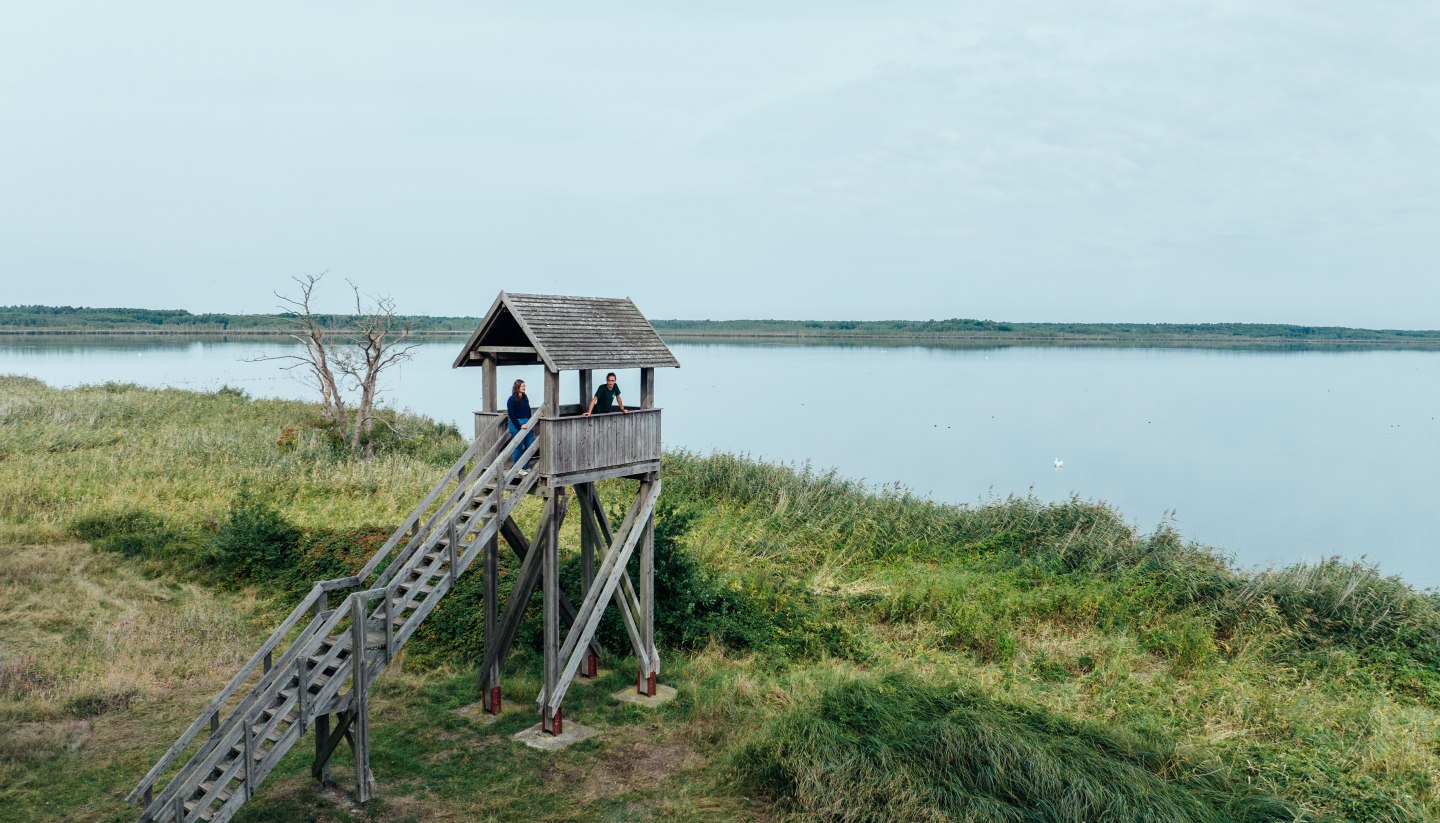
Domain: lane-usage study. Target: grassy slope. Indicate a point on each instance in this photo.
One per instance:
(876, 655)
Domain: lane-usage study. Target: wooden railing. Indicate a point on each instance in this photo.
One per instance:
(577, 444)
(573, 444)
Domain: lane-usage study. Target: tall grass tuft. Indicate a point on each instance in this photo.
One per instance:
(894, 748)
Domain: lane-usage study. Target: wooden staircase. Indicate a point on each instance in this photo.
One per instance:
(313, 670)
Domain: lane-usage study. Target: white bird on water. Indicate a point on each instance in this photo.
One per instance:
(1059, 464)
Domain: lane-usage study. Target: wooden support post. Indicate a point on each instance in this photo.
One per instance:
(490, 675)
(360, 703)
(320, 769)
(550, 584)
(587, 388)
(552, 394)
(646, 681)
(588, 530)
(647, 388)
(490, 395)
(249, 737)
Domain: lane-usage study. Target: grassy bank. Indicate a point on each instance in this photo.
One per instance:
(840, 654)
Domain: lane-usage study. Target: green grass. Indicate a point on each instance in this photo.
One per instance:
(840, 653)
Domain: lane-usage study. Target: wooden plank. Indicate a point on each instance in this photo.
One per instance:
(487, 349)
(647, 388)
(622, 470)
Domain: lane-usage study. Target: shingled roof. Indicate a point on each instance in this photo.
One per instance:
(566, 333)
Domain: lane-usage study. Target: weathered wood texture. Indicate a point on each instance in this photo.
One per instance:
(490, 391)
(550, 404)
(347, 645)
(576, 444)
(647, 388)
(567, 333)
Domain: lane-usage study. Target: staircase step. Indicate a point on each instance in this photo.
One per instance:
(425, 590)
(220, 797)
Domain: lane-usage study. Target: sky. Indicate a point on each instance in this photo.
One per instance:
(1027, 160)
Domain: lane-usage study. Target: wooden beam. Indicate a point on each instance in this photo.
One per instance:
(552, 394)
(490, 676)
(587, 388)
(481, 351)
(651, 668)
(647, 388)
(490, 397)
(360, 695)
(550, 583)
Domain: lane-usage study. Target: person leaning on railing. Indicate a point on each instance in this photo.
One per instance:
(605, 395)
(518, 409)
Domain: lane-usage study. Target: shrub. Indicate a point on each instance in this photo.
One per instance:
(255, 541)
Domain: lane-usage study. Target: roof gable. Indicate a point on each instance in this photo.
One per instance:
(566, 333)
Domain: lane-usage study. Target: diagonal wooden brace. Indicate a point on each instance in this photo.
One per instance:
(625, 597)
(590, 613)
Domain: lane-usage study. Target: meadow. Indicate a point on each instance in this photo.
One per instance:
(842, 653)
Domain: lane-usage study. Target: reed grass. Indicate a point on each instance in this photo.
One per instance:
(843, 652)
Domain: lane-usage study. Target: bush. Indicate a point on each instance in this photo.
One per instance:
(255, 541)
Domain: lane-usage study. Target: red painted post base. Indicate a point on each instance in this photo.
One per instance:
(553, 725)
(492, 702)
(645, 684)
(590, 667)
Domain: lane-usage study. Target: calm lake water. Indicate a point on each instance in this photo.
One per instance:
(1272, 456)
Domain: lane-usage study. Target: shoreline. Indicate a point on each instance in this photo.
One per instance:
(935, 340)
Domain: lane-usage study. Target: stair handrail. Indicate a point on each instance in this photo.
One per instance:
(214, 706)
(443, 514)
(448, 510)
(317, 629)
(413, 519)
(466, 488)
(503, 509)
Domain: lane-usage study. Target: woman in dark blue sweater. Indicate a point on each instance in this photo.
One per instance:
(518, 407)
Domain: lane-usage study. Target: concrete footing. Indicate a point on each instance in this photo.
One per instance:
(572, 733)
(663, 695)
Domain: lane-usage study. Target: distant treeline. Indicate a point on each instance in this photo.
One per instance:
(960, 330)
(40, 319)
(69, 319)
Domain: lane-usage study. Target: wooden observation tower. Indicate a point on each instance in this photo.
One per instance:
(584, 335)
(315, 671)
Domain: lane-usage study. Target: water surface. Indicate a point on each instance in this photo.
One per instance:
(1271, 456)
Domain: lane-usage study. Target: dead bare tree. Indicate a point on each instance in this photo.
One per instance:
(377, 343)
(345, 352)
